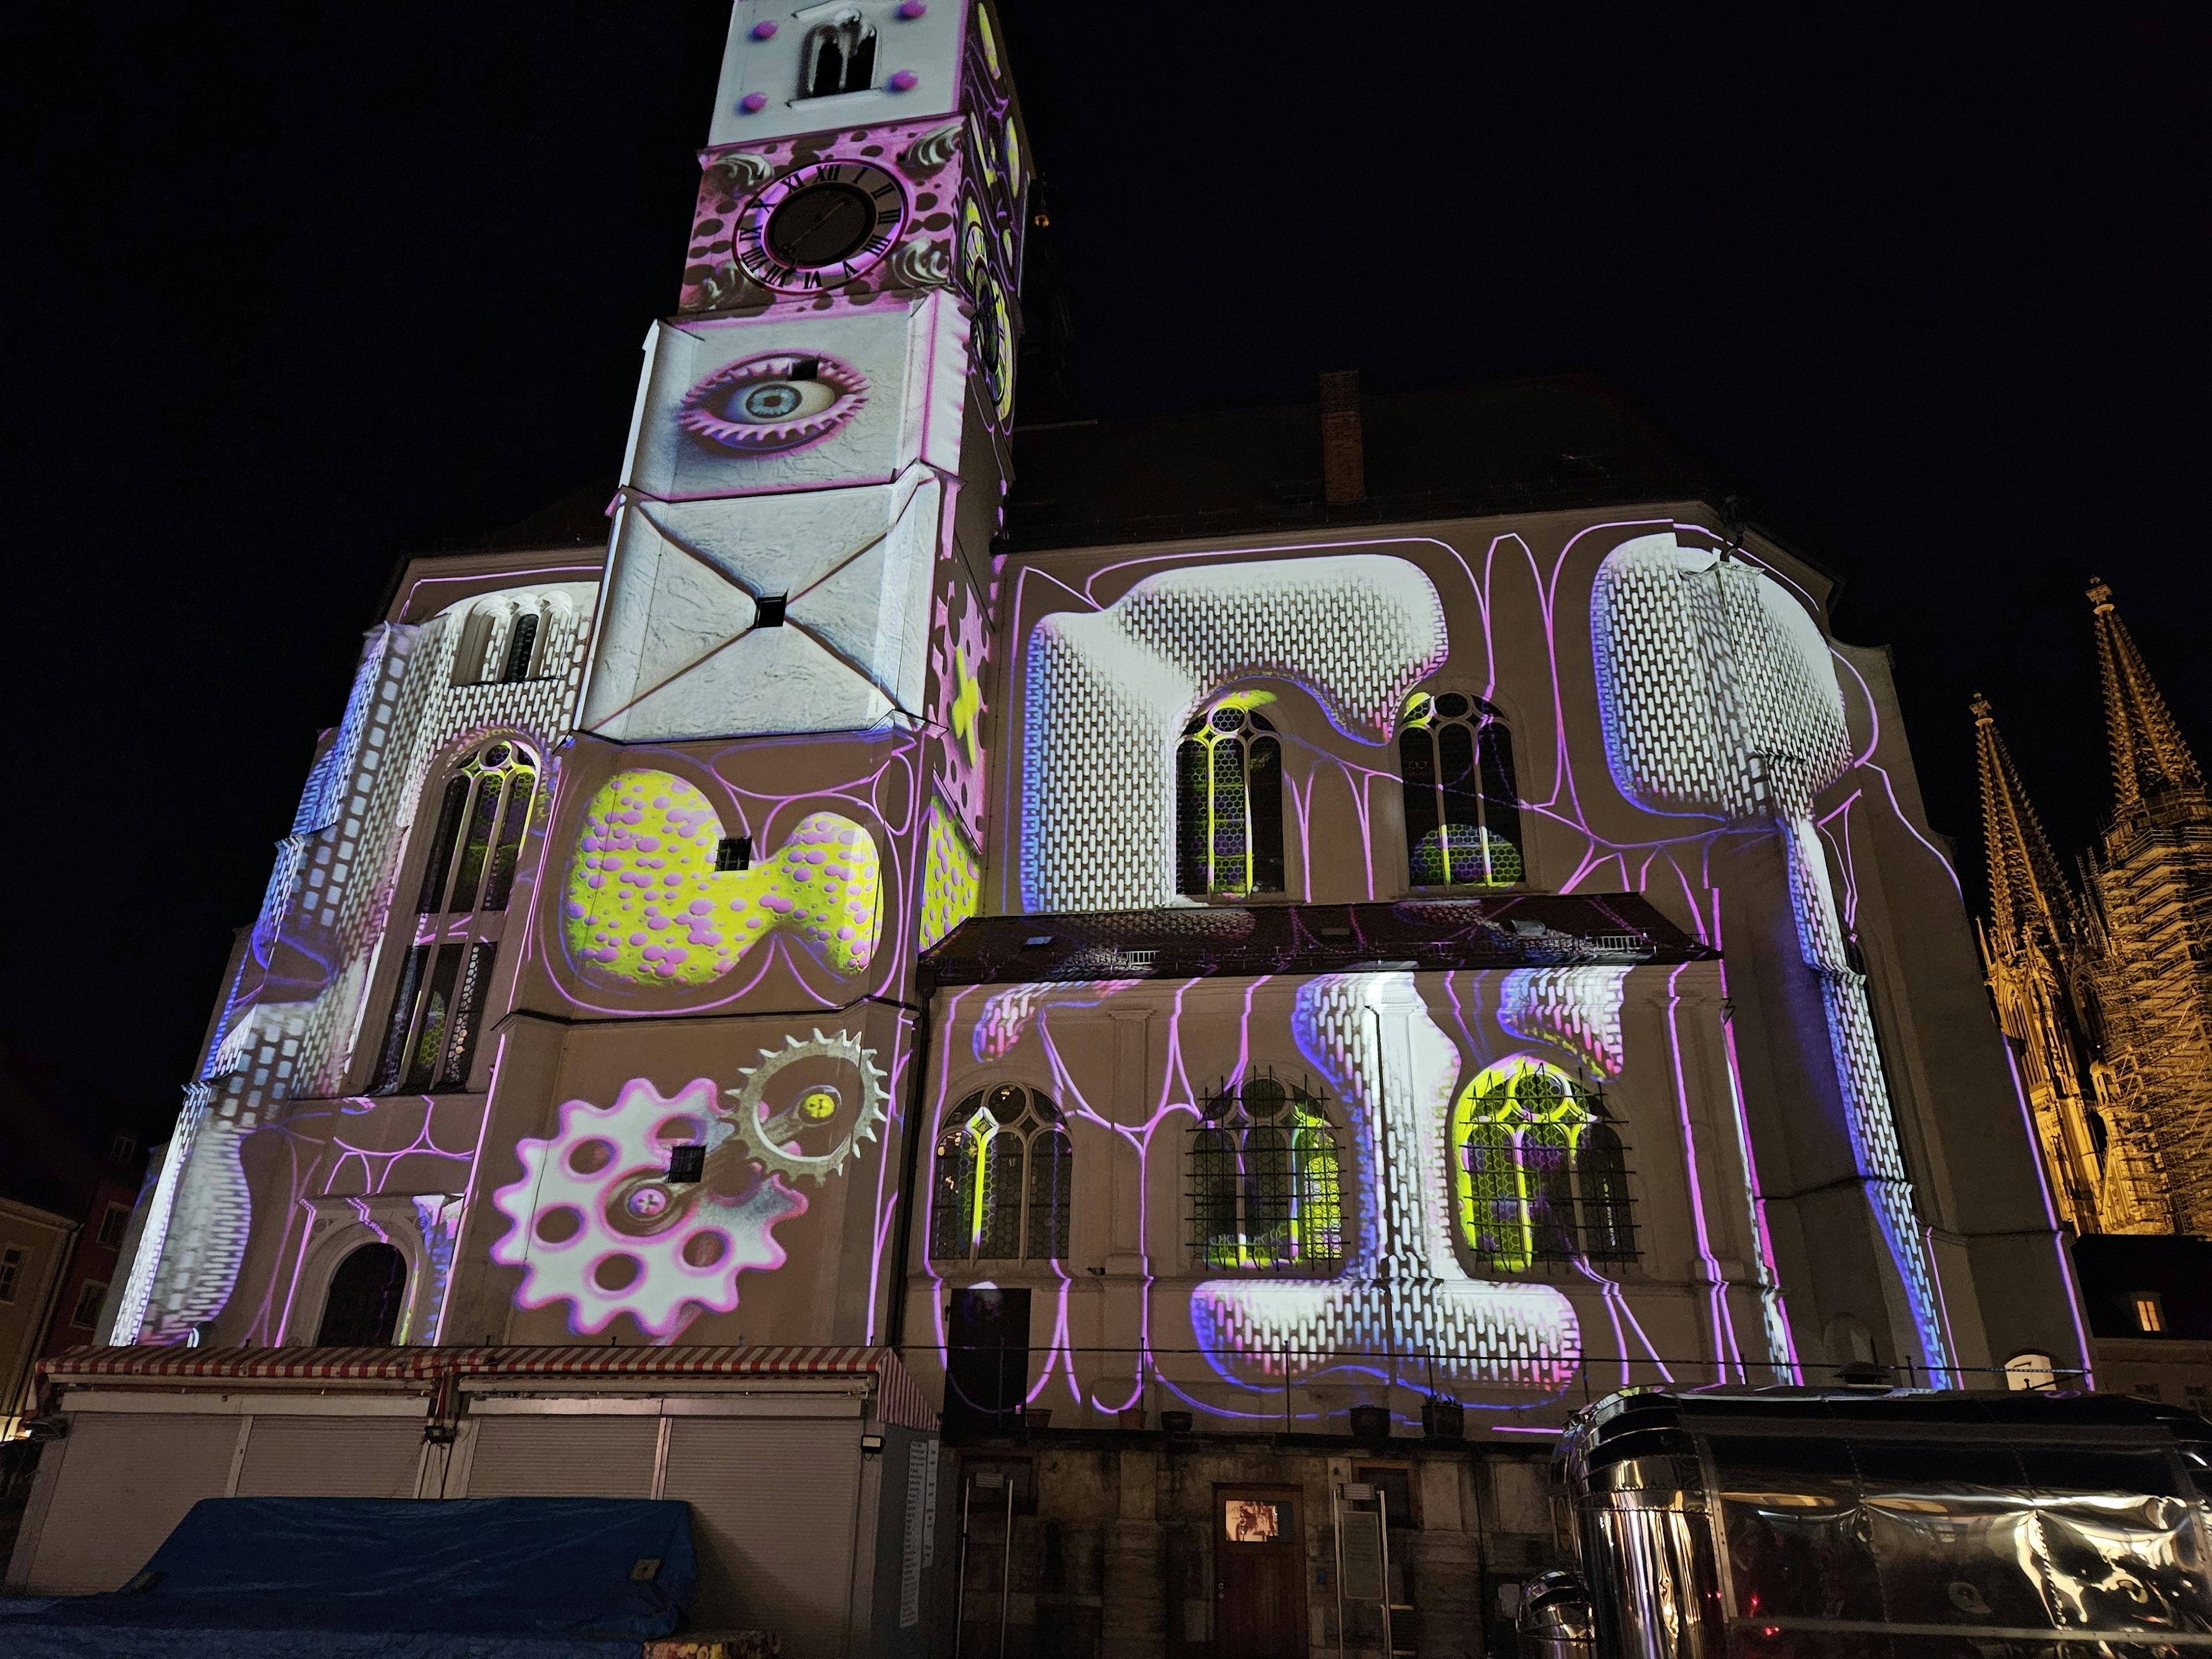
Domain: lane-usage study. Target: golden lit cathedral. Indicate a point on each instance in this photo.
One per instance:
(2104, 991)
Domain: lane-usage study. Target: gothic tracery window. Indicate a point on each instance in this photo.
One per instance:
(1229, 804)
(1005, 1165)
(468, 875)
(1267, 1189)
(1539, 1170)
(1462, 815)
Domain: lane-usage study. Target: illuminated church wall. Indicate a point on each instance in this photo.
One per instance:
(805, 721)
(1384, 1251)
(1690, 736)
(267, 1131)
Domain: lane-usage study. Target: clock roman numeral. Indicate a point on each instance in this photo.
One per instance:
(886, 188)
(888, 217)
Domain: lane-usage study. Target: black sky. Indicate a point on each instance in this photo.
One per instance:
(291, 291)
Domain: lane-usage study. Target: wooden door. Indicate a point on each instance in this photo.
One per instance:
(1259, 1573)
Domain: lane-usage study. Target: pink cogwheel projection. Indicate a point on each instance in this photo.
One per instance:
(595, 1223)
(646, 904)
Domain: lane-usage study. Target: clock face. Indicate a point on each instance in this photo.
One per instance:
(819, 226)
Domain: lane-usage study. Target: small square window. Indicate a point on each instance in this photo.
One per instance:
(770, 607)
(122, 1148)
(114, 1225)
(687, 1163)
(11, 1271)
(85, 1314)
(735, 853)
(1394, 1485)
(2150, 1312)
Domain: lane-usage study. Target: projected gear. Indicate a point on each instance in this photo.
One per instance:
(821, 1091)
(597, 1223)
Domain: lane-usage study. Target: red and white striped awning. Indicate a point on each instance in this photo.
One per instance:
(899, 1400)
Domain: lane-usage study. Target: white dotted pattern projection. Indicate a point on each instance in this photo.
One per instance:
(1109, 692)
(1577, 1009)
(1717, 695)
(333, 889)
(1402, 1289)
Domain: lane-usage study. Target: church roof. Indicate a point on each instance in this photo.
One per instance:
(1210, 941)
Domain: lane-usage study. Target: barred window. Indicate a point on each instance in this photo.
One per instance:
(1539, 1170)
(1541, 1174)
(468, 876)
(1005, 1165)
(1462, 815)
(1266, 1181)
(1229, 803)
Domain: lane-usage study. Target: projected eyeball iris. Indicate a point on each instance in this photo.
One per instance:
(774, 402)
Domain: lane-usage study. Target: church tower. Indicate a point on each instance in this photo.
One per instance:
(2148, 966)
(2106, 997)
(780, 738)
(2032, 946)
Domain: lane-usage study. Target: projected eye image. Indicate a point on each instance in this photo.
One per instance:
(772, 401)
(598, 1223)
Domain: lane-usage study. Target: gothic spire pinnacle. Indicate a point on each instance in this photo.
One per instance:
(2027, 893)
(2148, 756)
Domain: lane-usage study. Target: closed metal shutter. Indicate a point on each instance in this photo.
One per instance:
(558, 1455)
(126, 1479)
(773, 1503)
(331, 1457)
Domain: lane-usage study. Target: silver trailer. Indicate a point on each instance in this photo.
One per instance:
(1797, 1524)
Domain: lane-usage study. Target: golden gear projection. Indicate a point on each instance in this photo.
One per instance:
(859, 1087)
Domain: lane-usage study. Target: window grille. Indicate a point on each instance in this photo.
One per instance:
(468, 876)
(1462, 815)
(1229, 804)
(1004, 1166)
(114, 1225)
(11, 1271)
(1267, 1188)
(522, 645)
(1540, 1174)
(838, 57)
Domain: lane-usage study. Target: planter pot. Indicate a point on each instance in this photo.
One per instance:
(1443, 1418)
(1371, 1422)
(1176, 1422)
(1037, 1419)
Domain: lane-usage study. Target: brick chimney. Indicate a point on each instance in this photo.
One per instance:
(1343, 449)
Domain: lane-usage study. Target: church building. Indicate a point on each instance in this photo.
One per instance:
(1022, 1051)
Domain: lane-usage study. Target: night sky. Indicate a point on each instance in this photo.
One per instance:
(293, 292)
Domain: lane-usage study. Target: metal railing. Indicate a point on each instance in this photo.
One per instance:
(999, 1389)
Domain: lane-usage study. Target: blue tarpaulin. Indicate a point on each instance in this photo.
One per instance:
(499, 1578)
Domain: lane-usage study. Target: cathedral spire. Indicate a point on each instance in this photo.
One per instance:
(2148, 757)
(2026, 894)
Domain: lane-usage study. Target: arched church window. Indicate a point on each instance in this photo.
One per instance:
(1539, 1170)
(839, 55)
(366, 1295)
(1462, 815)
(468, 876)
(1005, 1164)
(1229, 803)
(1267, 1189)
